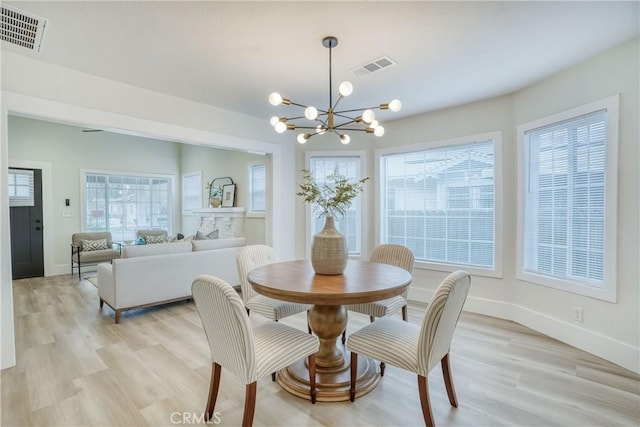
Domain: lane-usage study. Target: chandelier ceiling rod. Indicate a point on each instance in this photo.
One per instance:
(367, 116)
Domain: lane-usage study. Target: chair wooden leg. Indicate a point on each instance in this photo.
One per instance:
(247, 311)
(344, 336)
(312, 378)
(101, 302)
(354, 372)
(371, 319)
(423, 389)
(308, 325)
(405, 314)
(273, 376)
(213, 390)
(249, 405)
(382, 366)
(448, 380)
(118, 312)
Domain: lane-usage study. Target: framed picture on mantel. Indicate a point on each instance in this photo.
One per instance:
(228, 195)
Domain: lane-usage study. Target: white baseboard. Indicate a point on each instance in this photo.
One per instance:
(615, 351)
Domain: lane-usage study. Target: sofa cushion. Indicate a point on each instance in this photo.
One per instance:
(206, 245)
(165, 248)
(94, 245)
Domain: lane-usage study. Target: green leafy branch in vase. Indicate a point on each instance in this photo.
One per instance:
(333, 196)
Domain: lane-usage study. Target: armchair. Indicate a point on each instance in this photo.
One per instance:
(90, 249)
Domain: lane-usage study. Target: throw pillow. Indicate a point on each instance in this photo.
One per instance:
(155, 239)
(201, 236)
(94, 245)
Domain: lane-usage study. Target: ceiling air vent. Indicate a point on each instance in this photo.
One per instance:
(22, 29)
(375, 65)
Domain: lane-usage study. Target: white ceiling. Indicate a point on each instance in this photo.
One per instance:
(233, 54)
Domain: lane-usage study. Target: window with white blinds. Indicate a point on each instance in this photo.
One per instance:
(192, 191)
(350, 224)
(440, 202)
(21, 187)
(257, 188)
(565, 197)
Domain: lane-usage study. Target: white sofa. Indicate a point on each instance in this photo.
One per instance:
(162, 273)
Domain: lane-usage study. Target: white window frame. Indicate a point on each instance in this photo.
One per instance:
(172, 185)
(309, 214)
(250, 212)
(609, 291)
(197, 176)
(496, 136)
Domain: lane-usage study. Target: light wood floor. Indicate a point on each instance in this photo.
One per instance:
(77, 368)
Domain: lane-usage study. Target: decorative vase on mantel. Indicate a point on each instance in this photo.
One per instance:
(329, 250)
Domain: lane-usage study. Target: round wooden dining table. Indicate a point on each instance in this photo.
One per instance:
(361, 282)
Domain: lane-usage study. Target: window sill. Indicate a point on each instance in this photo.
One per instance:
(604, 294)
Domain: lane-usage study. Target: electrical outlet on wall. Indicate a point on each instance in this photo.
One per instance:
(577, 314)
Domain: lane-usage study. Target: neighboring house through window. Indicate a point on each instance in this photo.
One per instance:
(122, 204)
(439, 200)
(568, 200)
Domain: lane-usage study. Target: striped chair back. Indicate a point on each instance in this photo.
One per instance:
(392, 254)
(250, 257)
(226, 325)
(440, 320)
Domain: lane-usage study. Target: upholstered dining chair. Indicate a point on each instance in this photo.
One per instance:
(392, 254)
(414, 348)
(254, 256)
(248, 352)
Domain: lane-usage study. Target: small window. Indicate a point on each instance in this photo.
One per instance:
(192, 191)
(257, 203)
(568, 200)
(21, 189)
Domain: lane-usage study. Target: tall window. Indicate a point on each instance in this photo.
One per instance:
(122, 204)
(440, 202)
(192, 191)
(350, 224)
(565, 197)
(257, 188)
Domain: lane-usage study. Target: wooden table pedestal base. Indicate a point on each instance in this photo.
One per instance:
(332, 384)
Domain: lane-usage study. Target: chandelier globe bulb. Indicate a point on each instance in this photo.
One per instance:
(395, 105)
(280, 127)
(345, 139)
(274, 120)
(374, 124)
(311, 113)
(345, 88)
(378, 131)
(302, 138)
(320, 130)
(275, 98)
(368, 116)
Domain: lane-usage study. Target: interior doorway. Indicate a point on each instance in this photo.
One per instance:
(26, 219)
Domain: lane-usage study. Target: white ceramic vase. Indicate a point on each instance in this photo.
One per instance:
(329, 250)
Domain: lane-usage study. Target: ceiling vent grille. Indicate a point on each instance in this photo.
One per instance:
(22, 29)
(373, 66)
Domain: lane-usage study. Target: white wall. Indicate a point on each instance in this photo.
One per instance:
(35, 89)
(609, 330)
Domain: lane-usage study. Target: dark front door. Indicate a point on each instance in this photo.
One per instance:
(27, 252)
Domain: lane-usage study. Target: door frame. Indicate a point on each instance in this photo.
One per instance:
(47, 209)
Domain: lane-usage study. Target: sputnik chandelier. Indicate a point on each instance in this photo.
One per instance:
(332, 120)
